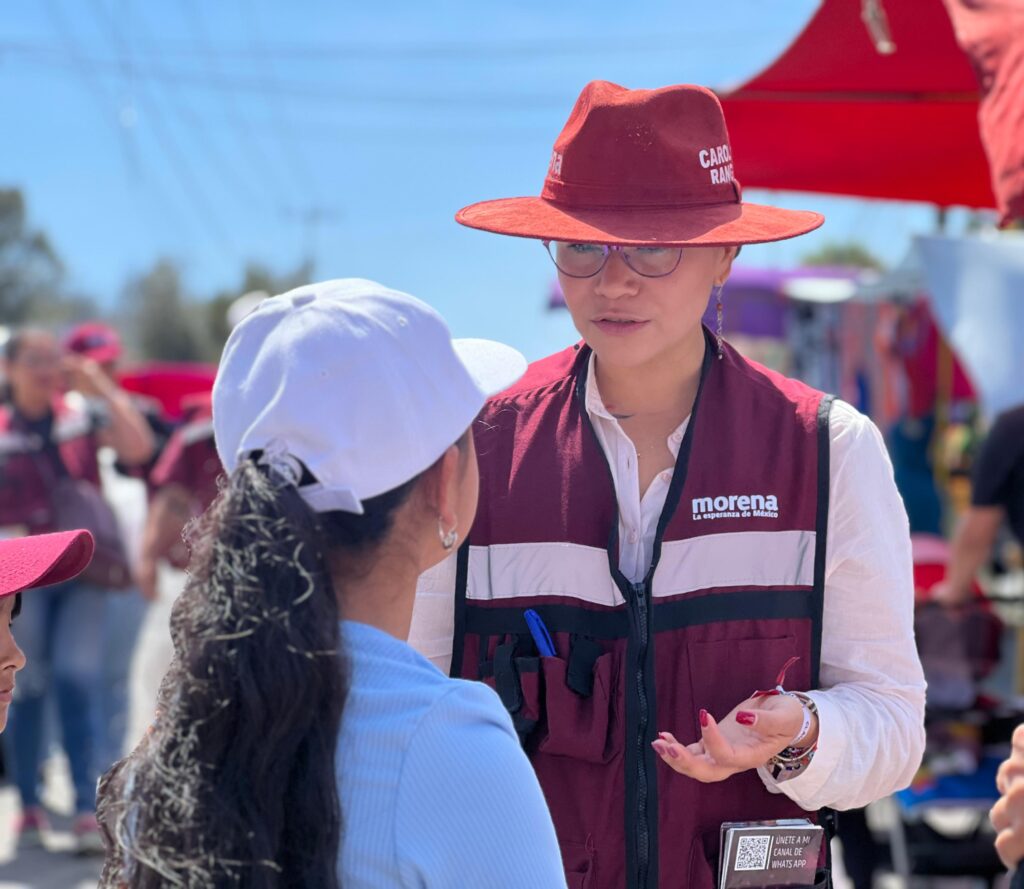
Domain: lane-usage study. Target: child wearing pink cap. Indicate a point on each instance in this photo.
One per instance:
(28, 562)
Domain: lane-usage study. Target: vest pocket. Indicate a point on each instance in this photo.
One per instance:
(703, 867)
(580, 725)
(724, 672)
(580, 863)
(567, 707)
(517, 680)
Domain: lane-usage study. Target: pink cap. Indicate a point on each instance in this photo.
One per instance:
(43, 559)
(95, 340)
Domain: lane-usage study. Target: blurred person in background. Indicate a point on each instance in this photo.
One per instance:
(183, 484)
(49, 478)
(101, 343)
(934, 380)
(997, 499)
(1008, 813)
(124, 488)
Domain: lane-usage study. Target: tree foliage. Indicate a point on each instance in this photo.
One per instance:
(163, 320)
(851, 254)
(157, 317)
(30, 271)
(255, 277)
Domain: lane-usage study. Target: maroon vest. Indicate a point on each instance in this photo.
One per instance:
(26, 475)
(735, 589)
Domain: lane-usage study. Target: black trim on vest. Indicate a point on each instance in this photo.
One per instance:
(826, 817)
(820, 534)
(638, 770)
(741, 605)
(461, 582)
(557, 618)
(760, 604)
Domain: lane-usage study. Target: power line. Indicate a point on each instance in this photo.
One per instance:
(268, 79)
(252, 148)
(95, 89)
(457, 51)
(169, 145)
(92, 85)
(459, 101)
(208, 148)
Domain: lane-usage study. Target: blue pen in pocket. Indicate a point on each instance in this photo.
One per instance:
(540, 633)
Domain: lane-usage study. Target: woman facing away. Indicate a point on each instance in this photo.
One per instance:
(299, 741)
(683, 522)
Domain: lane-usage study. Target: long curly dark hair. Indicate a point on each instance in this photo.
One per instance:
(234, 784)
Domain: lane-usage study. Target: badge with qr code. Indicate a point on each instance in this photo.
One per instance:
(786, 852)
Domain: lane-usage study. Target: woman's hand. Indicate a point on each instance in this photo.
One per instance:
(747, 738)
(86, 376)
(1008, 814)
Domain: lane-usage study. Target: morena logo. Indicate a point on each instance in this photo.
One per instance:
(735, 506)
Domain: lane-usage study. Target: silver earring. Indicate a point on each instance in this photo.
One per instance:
(448, 538)
(718, 317)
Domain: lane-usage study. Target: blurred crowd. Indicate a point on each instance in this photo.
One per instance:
(78, 449)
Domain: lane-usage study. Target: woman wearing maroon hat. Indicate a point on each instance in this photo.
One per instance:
(666, 527)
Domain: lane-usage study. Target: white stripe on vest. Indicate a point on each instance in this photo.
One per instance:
(768, 559)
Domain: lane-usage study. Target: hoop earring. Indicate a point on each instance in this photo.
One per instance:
(718, 318)
(448, 538)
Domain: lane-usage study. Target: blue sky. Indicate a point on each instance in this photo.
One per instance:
(212, 133)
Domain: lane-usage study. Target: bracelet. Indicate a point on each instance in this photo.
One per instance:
(792, 757)
(791, 760)
(809, 710)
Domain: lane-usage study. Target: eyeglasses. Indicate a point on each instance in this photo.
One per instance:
(587, 260)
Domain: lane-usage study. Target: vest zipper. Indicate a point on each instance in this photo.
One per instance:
(643, 840)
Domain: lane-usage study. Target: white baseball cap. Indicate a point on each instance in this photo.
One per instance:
(361, 385)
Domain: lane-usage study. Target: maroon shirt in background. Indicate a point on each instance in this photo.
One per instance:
(190, 460)
(36, 455)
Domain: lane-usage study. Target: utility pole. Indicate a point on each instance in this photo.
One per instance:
(311, 218)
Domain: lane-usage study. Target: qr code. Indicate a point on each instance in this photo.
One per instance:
(752, 852)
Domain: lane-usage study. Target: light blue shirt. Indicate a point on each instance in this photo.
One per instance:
(435, 790)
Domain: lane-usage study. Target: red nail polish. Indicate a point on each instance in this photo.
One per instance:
(704, 718)
(745, 717)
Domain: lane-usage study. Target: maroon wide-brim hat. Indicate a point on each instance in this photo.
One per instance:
(641, 167)
(43, 559)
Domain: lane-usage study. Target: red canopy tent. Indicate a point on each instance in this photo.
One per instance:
(173, 384)
(869, 100)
